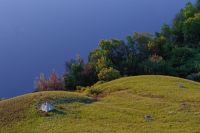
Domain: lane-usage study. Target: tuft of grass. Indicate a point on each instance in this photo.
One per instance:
(132, 104)
(94, 92)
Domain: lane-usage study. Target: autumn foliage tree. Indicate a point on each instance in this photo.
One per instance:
(52, 84)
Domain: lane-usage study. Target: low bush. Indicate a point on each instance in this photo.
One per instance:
(93, 91)
(195, 77)
(108, 74)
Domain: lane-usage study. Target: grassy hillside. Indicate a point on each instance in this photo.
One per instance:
(127, 105)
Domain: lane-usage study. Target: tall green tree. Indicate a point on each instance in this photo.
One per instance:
(191, 29)
(197, 5)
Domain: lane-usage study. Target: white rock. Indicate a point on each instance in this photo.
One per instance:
(46, 107)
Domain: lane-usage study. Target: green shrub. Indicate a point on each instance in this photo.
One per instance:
(181, 55)
(194, 76)
(94, 91)
(108, 74)
(155, 67)
(79, 88)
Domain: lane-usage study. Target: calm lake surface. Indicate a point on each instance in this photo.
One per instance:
(40, 35)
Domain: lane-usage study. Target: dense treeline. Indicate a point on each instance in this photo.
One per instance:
(175, 50)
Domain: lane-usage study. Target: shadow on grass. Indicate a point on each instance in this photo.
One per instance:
(61, 109)
(74, 100)
(51, 113)
(58, 112)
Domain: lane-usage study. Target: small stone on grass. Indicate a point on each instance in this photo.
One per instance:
(181, 85)
(148, 117)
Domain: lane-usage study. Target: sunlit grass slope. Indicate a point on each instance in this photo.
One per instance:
(133, 104)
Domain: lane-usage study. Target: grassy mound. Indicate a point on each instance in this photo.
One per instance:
(132, 104)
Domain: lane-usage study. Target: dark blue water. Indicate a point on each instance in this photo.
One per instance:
(40, 35)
